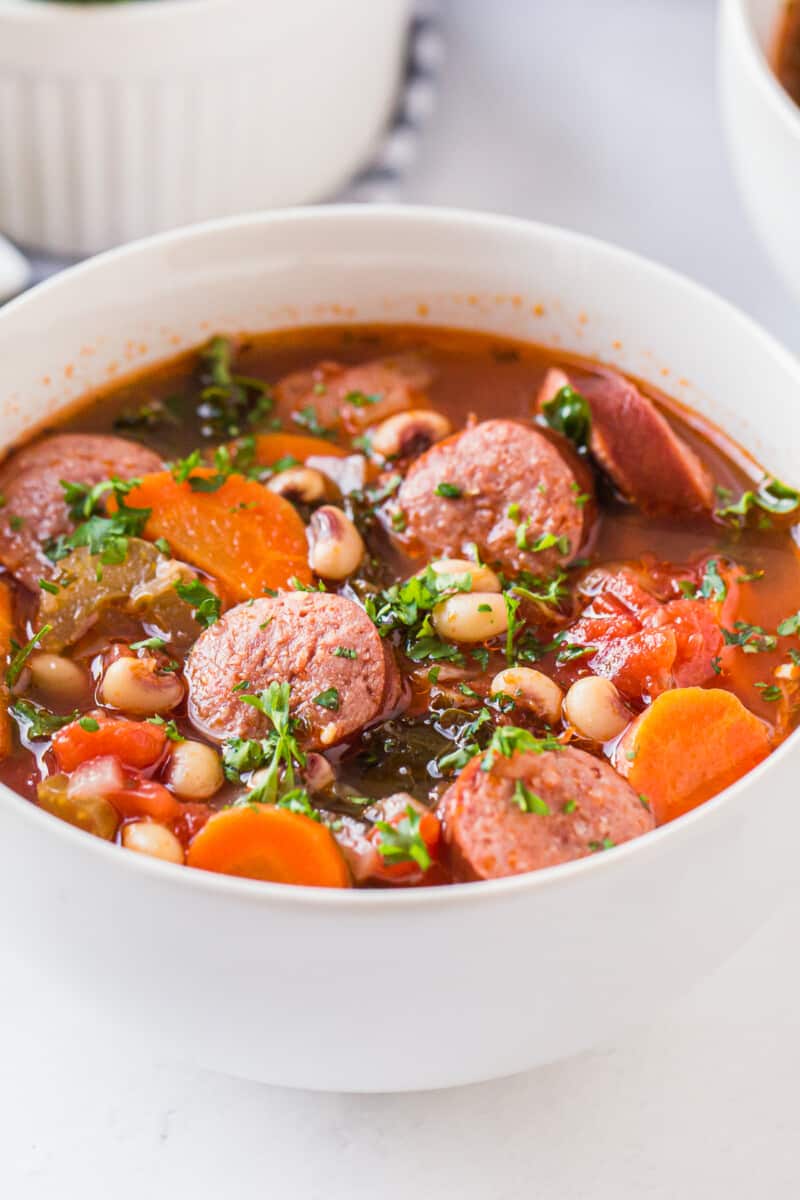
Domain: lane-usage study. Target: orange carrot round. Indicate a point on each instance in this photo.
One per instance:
(259, 841)
(245, 536)
(687, 746)
(272, 447)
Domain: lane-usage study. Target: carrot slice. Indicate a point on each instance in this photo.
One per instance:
(259, 841)
(245, 536)
(6, 634)
(272, 447)
(687, 746)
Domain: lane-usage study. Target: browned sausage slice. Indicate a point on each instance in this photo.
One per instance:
(35, 513)
(646, 460)
(501, 486)
(305, 639)
(590, 807)
(354, 397)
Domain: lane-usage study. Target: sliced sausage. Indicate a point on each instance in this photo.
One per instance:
(35, 511)
(356, 397)
(590, 807)
(633, 443)
(304, 639)
(507, 487)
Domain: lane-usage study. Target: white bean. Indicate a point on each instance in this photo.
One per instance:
(335, 547)
(60, 680)
(298, 483)
(409, 433)
(531, 689)
(594, 707)
(148, 837)
(134, 686)
(470, 617)
(194, 771)
(482, 579)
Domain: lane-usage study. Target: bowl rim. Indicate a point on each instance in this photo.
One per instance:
(779, 100)
(485, 891)
(45, 13)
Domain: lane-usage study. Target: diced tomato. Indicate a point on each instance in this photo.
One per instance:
(698, 639)
(639, 665)
(361, 847)
(645, 645)
(136, 744)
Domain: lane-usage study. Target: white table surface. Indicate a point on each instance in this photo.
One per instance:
(597, 114)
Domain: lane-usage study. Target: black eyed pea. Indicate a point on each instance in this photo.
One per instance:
(194, 771)
(470, 617)
(531, 689)
(409, 433)
(482, 579)
(59, 680)
(335, 547)
(148, 837)
(595, 709)
(299, 484)
(134, 685)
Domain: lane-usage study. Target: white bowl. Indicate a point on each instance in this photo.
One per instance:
(378, 990)
(122, 120)
(762, 125)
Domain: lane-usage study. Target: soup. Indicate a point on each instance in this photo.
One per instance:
(385, 607)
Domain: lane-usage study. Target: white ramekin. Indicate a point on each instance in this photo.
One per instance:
(371, 990)
(762, 126)
(122, 120)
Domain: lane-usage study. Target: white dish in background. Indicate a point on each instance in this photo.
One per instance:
(14, 270)
(121, 120)
(762, 125)
(375, 991)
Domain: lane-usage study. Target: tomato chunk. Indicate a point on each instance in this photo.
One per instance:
(136, 744)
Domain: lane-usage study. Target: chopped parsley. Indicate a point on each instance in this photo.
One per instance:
(228, 401)
(450, 491)
(38, 721)
(712, 585)
(329, 699)
(360, 399)
(789, 625)
(406, 608)
(771, 496)
(21, 654)
(507, 740)
(528, 801)
(151, 643)
(769, 691)
(278, 753)
(106, 536)
(752, 638)
(47, 586)
(307, 418)
(568, 413)
(606, 844)
(344, 652)
(206, 605)
(169, 727)
(402, 842)
(89, 724)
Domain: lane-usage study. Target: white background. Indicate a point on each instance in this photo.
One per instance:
(601, 115)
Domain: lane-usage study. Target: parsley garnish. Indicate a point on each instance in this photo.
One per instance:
(39, 722)
(403, 842)
(229, 401)
(344, 652)
(528, 801)
(106, 536)
(752, 638)
(89, 724)
(568, 413)
(169, 727)
(789, 625)
(278, 751)
(772, 496)
(23, 653)
(450, 491)
(712, 585)
(307, 418)
(407, 607)
(509, 739)
(206, 605)
(329, 699)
